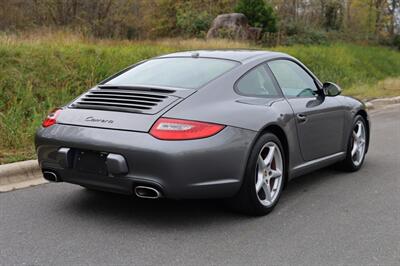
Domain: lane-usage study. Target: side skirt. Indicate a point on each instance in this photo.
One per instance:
(313, 165)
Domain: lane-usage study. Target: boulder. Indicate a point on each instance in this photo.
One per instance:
(236, 25)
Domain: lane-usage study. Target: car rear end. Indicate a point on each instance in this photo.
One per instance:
(119, 138)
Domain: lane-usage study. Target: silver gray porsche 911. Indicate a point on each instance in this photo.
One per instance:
(204, 124)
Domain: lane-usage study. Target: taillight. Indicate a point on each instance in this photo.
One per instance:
(177, 129)
(51, 119)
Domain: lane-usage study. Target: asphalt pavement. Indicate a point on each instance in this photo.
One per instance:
(325, 218)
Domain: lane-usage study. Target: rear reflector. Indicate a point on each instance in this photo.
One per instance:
(177, 129)
(51, 119)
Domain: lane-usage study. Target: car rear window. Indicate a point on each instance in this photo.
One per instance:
(185, 72)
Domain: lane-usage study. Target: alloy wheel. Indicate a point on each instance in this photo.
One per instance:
(358, 144)
(269, 174)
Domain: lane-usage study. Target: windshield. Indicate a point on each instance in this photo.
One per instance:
(185, 72)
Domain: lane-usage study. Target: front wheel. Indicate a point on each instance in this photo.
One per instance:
(264, 178)
(357, 145)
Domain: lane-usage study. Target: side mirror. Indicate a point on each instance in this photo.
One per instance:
(331, 89)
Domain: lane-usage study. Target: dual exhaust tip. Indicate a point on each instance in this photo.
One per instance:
(140, 191)
(147, 192)
(51, 176)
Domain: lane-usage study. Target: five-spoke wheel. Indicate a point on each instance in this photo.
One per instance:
(357, 145)
(264, 178)
(269, 171)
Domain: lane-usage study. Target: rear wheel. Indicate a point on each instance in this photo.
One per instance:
(357, 145)
(264, 178)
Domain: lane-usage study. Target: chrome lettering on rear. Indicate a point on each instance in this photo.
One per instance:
(98, 120)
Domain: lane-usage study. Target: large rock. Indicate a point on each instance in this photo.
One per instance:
(235, 25)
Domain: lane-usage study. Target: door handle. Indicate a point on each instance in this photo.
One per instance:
(301, 118)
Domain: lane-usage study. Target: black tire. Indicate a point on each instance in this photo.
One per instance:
(348, 163)
(246, 200)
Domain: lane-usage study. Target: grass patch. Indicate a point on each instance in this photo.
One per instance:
(388, 87)
(40, 73)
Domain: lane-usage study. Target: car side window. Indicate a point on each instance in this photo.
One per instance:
(293, 79)
(257, 83)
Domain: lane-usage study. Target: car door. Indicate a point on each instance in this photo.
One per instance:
(319, 119)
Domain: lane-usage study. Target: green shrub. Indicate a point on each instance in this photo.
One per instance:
(259, 13)
(293, 28)
(297, 33)
(309, 37)
(192, 22)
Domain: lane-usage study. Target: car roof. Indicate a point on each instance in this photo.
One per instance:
(236, 55)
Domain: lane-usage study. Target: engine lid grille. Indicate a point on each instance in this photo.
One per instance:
(126, 99)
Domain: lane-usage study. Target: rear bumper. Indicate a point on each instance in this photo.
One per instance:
(204, 168)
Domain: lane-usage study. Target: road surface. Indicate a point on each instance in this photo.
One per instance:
(327, 217)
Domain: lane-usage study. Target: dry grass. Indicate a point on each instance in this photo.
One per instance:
(9, 156)
(43, 36)
(48, 36)
(191, 44)
(388, 87)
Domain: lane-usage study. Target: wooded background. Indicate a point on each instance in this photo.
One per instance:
(295, 21)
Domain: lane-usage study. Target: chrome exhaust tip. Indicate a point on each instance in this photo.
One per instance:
(51, 176)
(147, 192)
